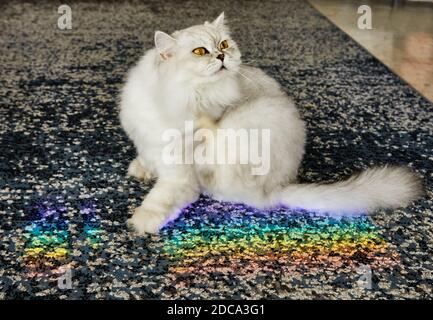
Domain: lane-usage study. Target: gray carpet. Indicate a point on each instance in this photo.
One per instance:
(64, 197)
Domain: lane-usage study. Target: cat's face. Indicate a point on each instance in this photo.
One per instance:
(202, 53)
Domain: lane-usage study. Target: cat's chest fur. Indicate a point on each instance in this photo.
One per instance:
(213, 99)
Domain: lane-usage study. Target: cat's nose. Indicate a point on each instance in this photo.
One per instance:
(221, 56)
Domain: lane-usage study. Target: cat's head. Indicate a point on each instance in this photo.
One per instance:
(203, 53)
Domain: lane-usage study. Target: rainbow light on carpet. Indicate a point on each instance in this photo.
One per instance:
(92, 224)
(48, 238)
(224, 237)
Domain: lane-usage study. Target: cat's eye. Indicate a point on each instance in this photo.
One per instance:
(200, 51)
(224, 45)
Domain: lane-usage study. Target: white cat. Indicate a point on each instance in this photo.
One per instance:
(196, 74)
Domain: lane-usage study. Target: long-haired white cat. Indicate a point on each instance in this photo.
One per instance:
(196, 74)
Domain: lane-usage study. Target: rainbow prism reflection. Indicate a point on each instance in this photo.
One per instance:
(233, 238)
(48, 237)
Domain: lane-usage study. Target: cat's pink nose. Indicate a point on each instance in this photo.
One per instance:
(221, 56)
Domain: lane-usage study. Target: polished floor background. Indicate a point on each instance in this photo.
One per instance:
(401, 35)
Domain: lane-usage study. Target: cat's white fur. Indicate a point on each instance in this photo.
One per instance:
(171, 85)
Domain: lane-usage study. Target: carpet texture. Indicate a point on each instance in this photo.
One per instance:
(64, 197)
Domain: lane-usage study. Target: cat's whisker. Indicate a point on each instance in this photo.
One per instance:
(253, 82)
(266, 80)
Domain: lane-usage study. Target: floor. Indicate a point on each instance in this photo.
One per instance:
(401, 36)
(64, 195)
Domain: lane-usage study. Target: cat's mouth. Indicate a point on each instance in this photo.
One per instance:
(223, 67)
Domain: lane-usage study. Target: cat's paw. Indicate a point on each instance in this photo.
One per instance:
(137, 171)
(146, 221)
(205, 122)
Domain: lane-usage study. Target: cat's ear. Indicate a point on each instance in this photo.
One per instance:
(165, 44)
(219, 22)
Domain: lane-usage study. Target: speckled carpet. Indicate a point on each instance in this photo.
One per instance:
(64, 197)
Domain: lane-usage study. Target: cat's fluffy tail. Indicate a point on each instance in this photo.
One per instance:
(384, 187)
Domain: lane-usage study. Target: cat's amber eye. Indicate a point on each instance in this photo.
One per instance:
(200, 51)
(224, 45)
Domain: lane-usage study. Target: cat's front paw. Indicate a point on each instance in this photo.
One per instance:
(137, 171)
(146, 221)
